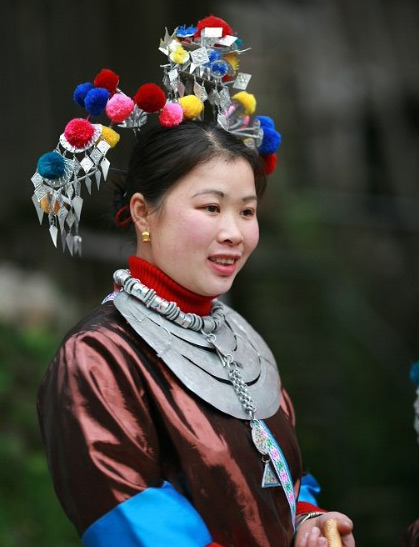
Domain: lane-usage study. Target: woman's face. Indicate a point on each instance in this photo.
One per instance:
(206, 228)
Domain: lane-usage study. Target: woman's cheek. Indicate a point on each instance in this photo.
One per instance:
(253, 237)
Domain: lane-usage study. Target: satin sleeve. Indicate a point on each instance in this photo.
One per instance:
(287, 406)
(103, 448)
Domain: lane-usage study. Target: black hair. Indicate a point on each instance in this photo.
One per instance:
(163, 155)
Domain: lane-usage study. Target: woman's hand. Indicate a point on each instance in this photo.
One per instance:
(311, 534)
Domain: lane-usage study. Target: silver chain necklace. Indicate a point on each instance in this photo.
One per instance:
(237, 381)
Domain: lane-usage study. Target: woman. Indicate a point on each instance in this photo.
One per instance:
(162, 419)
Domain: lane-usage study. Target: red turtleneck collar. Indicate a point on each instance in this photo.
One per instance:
(153, 277)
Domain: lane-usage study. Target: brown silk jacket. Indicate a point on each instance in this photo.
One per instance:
(115, 421)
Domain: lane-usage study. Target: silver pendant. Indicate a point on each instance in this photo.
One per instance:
(260, 441)
(269, 478)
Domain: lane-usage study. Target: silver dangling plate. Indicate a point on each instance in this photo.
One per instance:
(269, 478)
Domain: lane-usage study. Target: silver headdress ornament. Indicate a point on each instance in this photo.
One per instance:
(202, 81)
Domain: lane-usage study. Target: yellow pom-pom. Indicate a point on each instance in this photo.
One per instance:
(247, 100)
(191, 106)
(179, 55)
(233, 60)
(110, 136)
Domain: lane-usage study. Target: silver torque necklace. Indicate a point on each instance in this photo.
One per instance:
(170, 310)
(206, 325)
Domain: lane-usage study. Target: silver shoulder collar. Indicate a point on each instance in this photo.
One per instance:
(195, 363)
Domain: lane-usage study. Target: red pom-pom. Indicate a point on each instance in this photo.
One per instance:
(150, 97)
(108, 79)
(78, 132)
(212, 21)
(269, 162)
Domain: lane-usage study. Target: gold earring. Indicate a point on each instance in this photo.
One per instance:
(145, 236)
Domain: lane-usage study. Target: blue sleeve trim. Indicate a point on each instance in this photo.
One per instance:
(156, 516)
(309, 489)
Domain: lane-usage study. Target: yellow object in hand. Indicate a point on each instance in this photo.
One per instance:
(330, 529)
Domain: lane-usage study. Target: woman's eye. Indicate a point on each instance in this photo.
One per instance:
(212, 208)
(248, 212)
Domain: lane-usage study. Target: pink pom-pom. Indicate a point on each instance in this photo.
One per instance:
(172, 114)
(78, 132)
(119, 107)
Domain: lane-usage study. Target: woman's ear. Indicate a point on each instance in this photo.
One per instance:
(139, 212)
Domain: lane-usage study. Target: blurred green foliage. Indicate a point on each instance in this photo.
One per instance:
(30, 513)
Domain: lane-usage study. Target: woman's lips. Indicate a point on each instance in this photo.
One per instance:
(223, 265)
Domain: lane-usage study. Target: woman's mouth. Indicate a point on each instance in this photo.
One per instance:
(223, 260)
(223, 265)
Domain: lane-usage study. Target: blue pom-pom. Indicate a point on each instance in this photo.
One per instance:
(51, 166)
(270, 142)
(95, 101)
(183, 31)
(266, 121)
(213, 54)
(239, 43)
(414, 373)
(81, 91)
(219, 68)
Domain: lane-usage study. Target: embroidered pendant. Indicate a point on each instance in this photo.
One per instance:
(278, 474)
(269, 478)
(260, 440)
(259, 437)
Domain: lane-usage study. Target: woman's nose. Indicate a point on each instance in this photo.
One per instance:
(230, 231)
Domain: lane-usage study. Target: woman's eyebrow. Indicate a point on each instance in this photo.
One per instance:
(221, 194)
(250, 198)
(210, 191)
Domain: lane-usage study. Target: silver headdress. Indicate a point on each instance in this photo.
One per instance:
(202, 81)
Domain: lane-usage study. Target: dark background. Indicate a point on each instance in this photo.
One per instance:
(333, 284)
